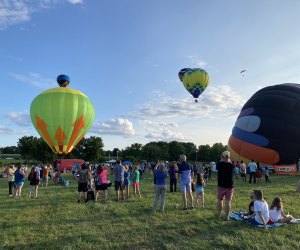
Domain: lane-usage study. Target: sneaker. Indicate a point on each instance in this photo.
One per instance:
(192, 208)
(184, 209)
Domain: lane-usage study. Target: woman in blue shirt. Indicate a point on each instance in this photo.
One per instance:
(19, 180)
(160, 187)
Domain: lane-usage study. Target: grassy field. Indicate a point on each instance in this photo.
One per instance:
(55, 221)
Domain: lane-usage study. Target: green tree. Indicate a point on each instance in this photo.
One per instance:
(28, 147)
(93, 149)
(43, 153)
(204, 153)
(135, 151)
(175, 149)
(151, 152)
(190, 150)
(216, 151)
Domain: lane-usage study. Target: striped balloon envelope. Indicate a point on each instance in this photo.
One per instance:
(268, 127)
(62, 116)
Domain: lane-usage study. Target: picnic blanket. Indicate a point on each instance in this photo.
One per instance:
(237, 216)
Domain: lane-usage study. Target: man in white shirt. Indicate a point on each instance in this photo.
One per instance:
(243, 171)
(252, 169)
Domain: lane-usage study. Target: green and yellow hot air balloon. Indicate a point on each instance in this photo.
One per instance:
(62, 116)
(194, 80)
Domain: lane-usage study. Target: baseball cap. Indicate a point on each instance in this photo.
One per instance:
(226, 154)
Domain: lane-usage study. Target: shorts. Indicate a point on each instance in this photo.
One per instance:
(45, 178)
(136, 184)
(19, 184)
(82, 187)
(185, 187)
(103, 186)
(199, 192)
(118, 185)
(227, 192)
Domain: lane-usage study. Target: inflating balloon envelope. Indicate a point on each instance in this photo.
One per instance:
(62, 116)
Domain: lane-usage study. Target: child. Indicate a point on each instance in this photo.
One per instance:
(127, 181)
(199, 189)
(261, 210)
(247, 215)
(267, 173)
(276, 212)
(236, 171)
(136, 181)
(34, 179)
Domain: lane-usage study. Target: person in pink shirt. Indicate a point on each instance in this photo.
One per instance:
(101, 181)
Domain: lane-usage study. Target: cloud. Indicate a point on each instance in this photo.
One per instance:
(19, 11)
(75, 1)
(161, 131)
(21, 119)
(220, 101)
(35, 80)
(9, 131)
(197, 61)
(118, 126)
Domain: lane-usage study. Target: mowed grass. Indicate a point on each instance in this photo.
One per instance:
(56, 221)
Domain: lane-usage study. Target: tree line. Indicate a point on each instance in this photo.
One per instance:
(91, 149)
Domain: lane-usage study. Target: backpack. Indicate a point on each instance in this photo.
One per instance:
(97, 180)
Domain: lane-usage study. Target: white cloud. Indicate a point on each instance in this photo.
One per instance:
(75, 1)
(197, 61)
(161, 131)
(9, 131)
(118, 126)
(18, 11)
(22, 119)
(220, 101)
(36, 80)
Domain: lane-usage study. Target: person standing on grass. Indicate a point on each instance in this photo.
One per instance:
(34, 182)
(252, 170)
(199, 190)
(186, 177)
(267, 174)
(11, 179)
(19, 180)
(46, 170)
(173, 172)
(225, 184)
(243, 170)
(119, 180)
(82, 179)
(127, 181)
(136, 182)
(160, 187)
(102, 184)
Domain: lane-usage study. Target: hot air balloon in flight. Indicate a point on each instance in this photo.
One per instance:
(267, 128)
(62, 116)
(194, 80)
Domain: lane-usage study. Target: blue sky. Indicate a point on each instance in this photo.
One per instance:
(125, 55)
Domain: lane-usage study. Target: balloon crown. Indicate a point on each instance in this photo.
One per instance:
(63, 80)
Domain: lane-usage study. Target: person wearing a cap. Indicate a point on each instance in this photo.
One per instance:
(225, 184)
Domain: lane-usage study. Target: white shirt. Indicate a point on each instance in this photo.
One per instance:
(275, 215)
(261, 206)
(243, 168)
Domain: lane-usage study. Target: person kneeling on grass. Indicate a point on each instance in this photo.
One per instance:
(261, 210)
(82, 179)
(276, 212)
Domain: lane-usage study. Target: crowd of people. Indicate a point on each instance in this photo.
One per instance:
(93, 180)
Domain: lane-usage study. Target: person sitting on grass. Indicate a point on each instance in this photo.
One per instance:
(276, 212)
(247, 215)
(261, 210)
(82, 179)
